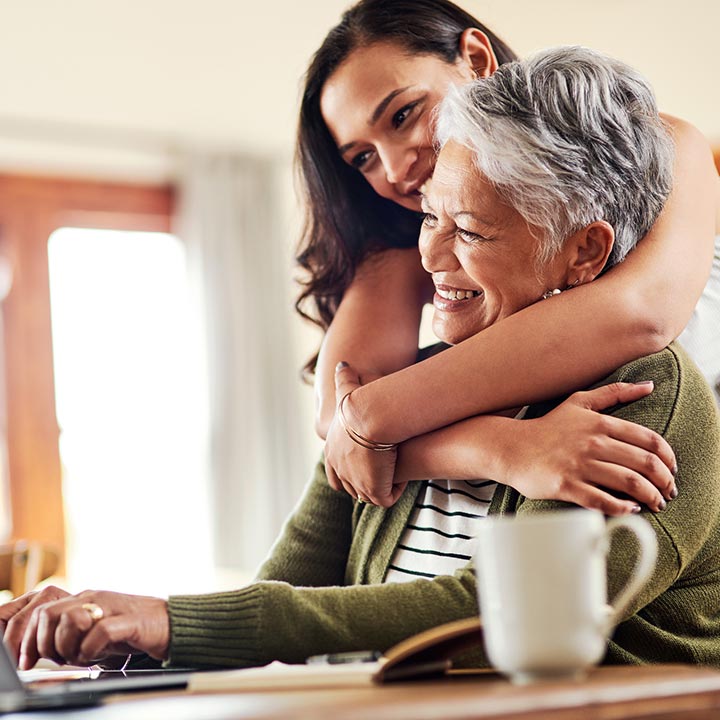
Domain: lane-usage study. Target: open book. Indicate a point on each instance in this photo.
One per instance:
(427, 653)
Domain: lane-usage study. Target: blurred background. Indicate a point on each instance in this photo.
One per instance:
(153, 426)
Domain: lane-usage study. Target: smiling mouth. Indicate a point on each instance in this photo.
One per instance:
(456, 294)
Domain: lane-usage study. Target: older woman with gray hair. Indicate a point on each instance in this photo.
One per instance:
(549, 172)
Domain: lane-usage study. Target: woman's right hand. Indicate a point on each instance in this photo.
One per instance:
(578, 455)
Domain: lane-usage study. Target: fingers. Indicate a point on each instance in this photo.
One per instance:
(643, 451)
(397, 491)
(346, 380)
(65, 631)
(104, 635)
(10, 609)
(607, 396)
(332, 477)
(336, 483)
(594, 498)
(53, 632)
(620, 479)
(640, 474)
(18, 613)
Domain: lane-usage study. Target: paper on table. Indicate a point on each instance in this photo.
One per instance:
(427, 653)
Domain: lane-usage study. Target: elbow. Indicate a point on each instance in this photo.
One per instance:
(655, 337)
(652, 326)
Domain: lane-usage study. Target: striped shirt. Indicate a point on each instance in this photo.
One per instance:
(439, 536)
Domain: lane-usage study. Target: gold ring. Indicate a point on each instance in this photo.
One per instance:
(94, 611)
(360, 500)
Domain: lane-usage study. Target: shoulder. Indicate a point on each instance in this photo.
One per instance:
(685, 134)
(680, 391)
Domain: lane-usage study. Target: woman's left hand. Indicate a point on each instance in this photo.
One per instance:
(91, 626)
(367, 475)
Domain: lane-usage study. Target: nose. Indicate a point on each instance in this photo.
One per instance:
(436, 251)
(397, 161)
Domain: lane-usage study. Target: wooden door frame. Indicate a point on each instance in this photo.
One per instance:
(31, 209)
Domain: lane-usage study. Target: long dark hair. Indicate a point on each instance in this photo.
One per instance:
(345, 220)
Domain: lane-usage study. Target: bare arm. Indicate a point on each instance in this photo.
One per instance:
(569, 341)
(376, 325)
(574, 454)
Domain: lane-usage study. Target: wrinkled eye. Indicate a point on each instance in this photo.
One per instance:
(469, 237)
(429, 220)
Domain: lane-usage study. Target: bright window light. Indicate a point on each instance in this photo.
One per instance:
(130, 400)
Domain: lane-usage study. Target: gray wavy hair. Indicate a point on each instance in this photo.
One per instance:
(567, 137)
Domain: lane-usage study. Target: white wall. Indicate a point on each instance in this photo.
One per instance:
(674, 44)
(151, 74)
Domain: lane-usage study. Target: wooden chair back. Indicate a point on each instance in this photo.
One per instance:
(23, 564)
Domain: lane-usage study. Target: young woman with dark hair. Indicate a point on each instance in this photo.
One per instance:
(365, 146)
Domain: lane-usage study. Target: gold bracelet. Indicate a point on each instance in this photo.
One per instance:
(355, 436)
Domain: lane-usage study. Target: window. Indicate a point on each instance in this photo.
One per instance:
(31, 210)
(130, 408)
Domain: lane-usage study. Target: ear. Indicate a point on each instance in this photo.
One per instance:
(588, 251)
(477, 54)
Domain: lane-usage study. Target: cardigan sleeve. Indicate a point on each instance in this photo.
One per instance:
(269, 621)
(313, 546)
(302, 605)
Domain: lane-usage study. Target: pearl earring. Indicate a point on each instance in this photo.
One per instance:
(556, 291)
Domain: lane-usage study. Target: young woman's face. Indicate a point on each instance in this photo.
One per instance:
(378, 106)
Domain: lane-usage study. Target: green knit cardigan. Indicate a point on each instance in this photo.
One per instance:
(321, 588)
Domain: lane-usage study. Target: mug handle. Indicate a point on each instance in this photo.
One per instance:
(644, 565)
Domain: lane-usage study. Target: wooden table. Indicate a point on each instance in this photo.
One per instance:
(660, 692)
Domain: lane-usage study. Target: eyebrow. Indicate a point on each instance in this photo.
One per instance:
(382, 105)
(485, 221)
(377, 113)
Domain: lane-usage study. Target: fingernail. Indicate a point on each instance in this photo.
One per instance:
(674, 492)
(644, 382)
(342, 364)
(674, 471)
(662, 505)
(636, 509)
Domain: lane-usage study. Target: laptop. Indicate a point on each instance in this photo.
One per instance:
(79, 692)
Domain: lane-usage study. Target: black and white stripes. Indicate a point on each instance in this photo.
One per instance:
(439, 536)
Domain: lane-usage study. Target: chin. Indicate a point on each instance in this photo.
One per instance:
(450, 336)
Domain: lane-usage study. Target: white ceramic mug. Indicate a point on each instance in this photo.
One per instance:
(542, 588)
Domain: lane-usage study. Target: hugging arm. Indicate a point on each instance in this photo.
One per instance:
(555, 346)
(573, 453)
(376, 325)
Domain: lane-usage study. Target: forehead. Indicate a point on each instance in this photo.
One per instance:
(459, 186)
(369, 73)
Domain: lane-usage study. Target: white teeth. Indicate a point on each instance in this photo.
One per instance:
(457, 294)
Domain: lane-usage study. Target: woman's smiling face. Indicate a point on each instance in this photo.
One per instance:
(378, 106)
(479, 251)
